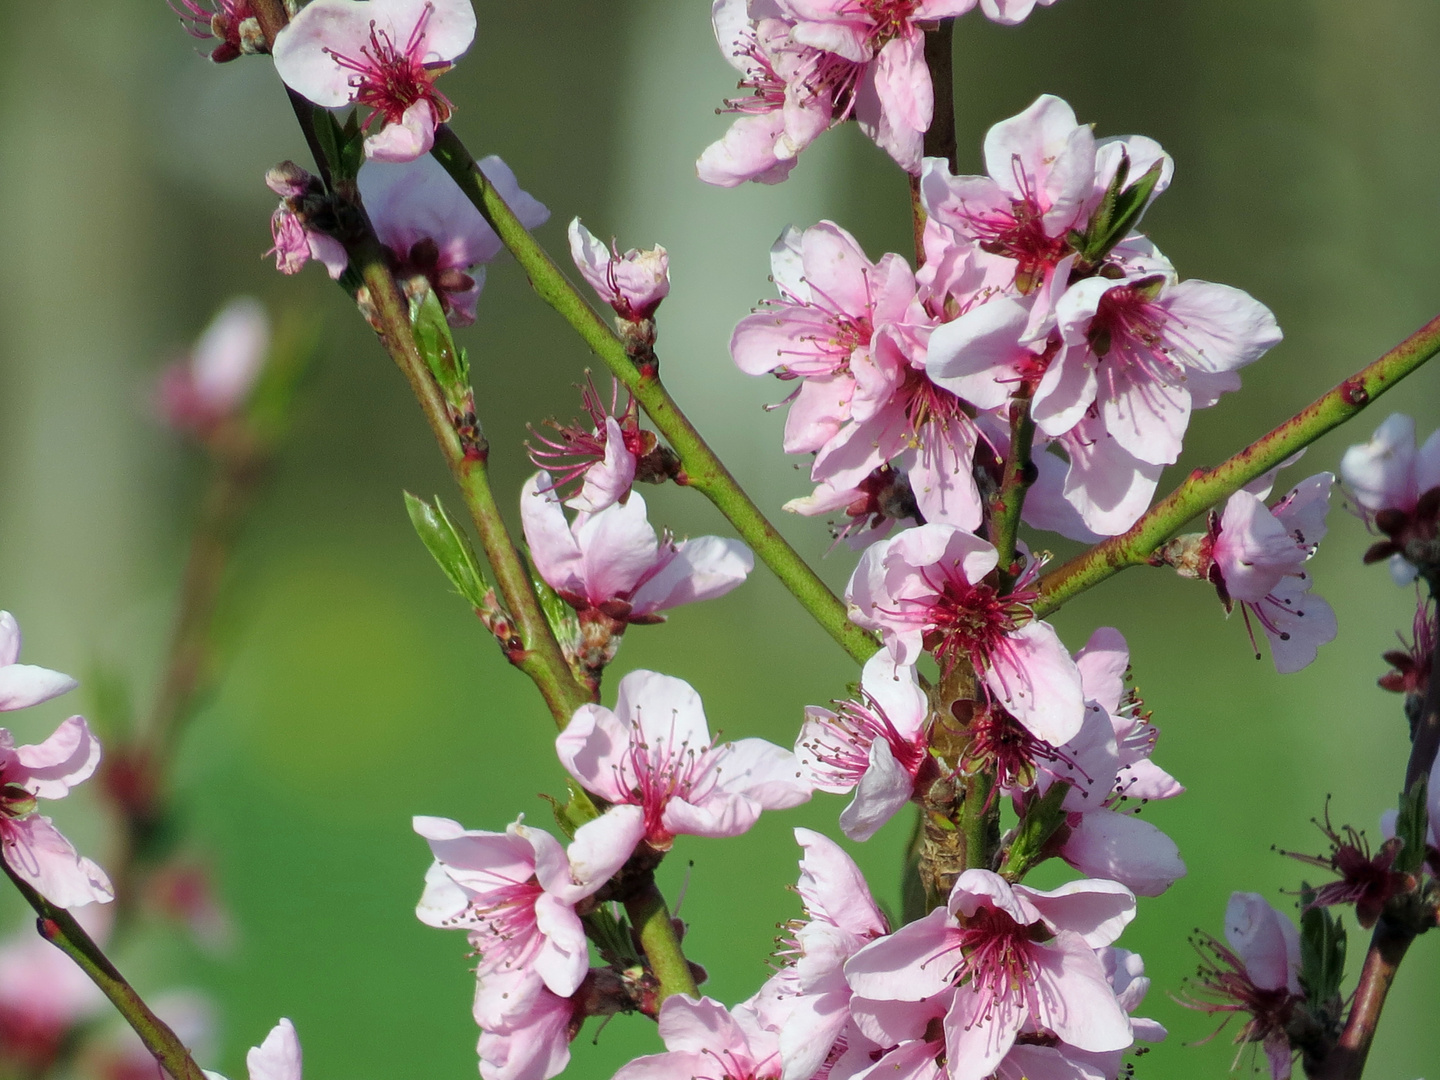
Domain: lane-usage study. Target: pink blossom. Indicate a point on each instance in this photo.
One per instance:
(1143, 351)
(894, 97)
(606, 458)
(878, 502)
(1258, 975)
(633, 284)
(23, 685)
(807, 1001)
(293, 225)
(612, 561)
(277, 1058)
(984, 945)
(1041, 183)
(383, 54)
(44, 994)
(874, 746)
(231, 23)
(821, 329)
(32, 846)
(1108, 487)
(654, 753)
(701, 1036)
(515, 893)
(432, 231)
(214, 382)
(1397, 488)
(532, 1041)
(926, 587)
(796, 90)
(1256, 559)
(1107, 765)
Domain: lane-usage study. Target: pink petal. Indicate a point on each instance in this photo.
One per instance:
(1265, 940)
(449, 25)
(665, 711)
(1066, 390)
(883, 790)
(40, 854)
(762, 771)
(278, 1057)
(974, 355)
(704, 1026)
(609, 480)
(1126, 849)
(23, 685)
(564, 958)
(912, 964)
(10, 639)
(619, 549)
(902, 80)
(1033, 676)
(1102, 663)
(833, 888)
(747, 152)
(301, 55)
(601, 847)
(895, 690)
(702, 569)
(979, 1032)
(68, 757)
(1073, 997)
(594, 748)
(1095, 910)
(554, 549)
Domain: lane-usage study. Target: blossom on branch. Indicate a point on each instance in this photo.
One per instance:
(652, 758)
(926, 588)
(213, 383)
(433, 234)
(633, 284)
(231, 23)
(383, 54)
(277, 1058)
(874, 746)
(1017, 959)
(1397, 487)
(702, 1035)
(33, 848)
(23, 685)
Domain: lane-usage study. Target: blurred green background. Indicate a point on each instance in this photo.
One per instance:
(1307, 139)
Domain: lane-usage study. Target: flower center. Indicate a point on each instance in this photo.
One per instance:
(968, 621)
(891, 18)
(994, 957)
(654, 773)
(843, 752)
(389, 78)
(998, 742)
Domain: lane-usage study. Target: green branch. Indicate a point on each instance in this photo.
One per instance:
(651, 920)
(1207, 487)
(58, 926)
(702, 469)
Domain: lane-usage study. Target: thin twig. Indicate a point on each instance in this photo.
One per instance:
(1206, 487)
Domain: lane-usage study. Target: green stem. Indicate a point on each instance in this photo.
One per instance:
(703, 469)
(540, 656)
(58, 926)
(1018, 475)
(651, 920)
(1206, 487)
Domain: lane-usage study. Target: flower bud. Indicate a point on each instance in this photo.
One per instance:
(633, 284)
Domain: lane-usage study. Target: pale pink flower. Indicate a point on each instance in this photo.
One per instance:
(23, 685)
(807, 1001)
(1256, 559)
(231, 23)
(1108, 766)
(383, 54)
(1397, 488)
(795, 92)
(613, 562)
(1258, 975)
(431, 230)
(874, 746)
(702, 1037)
(515, 893)
(984, 945)
(821, 329)
(277, 1058)
(605, 458)
(894, 100)
(871, 508)
(32, 846)
(925, 587)
(44, 994)
(297, 240)
(214, 382)
(652, 757)
(532, 1041)
(633, 284)
(1041, 184)
(1108, 487)
(1143, 351)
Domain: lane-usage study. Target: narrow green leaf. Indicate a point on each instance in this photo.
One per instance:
(1322, 950)
(1412, 825)
(445, 359)
(1044, 816)
(450, 548)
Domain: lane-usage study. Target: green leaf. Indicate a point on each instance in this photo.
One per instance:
(450, 548)
(1322, 950)
(445, 359)
(1412, 825)
(564, 623)
(1044, 816)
